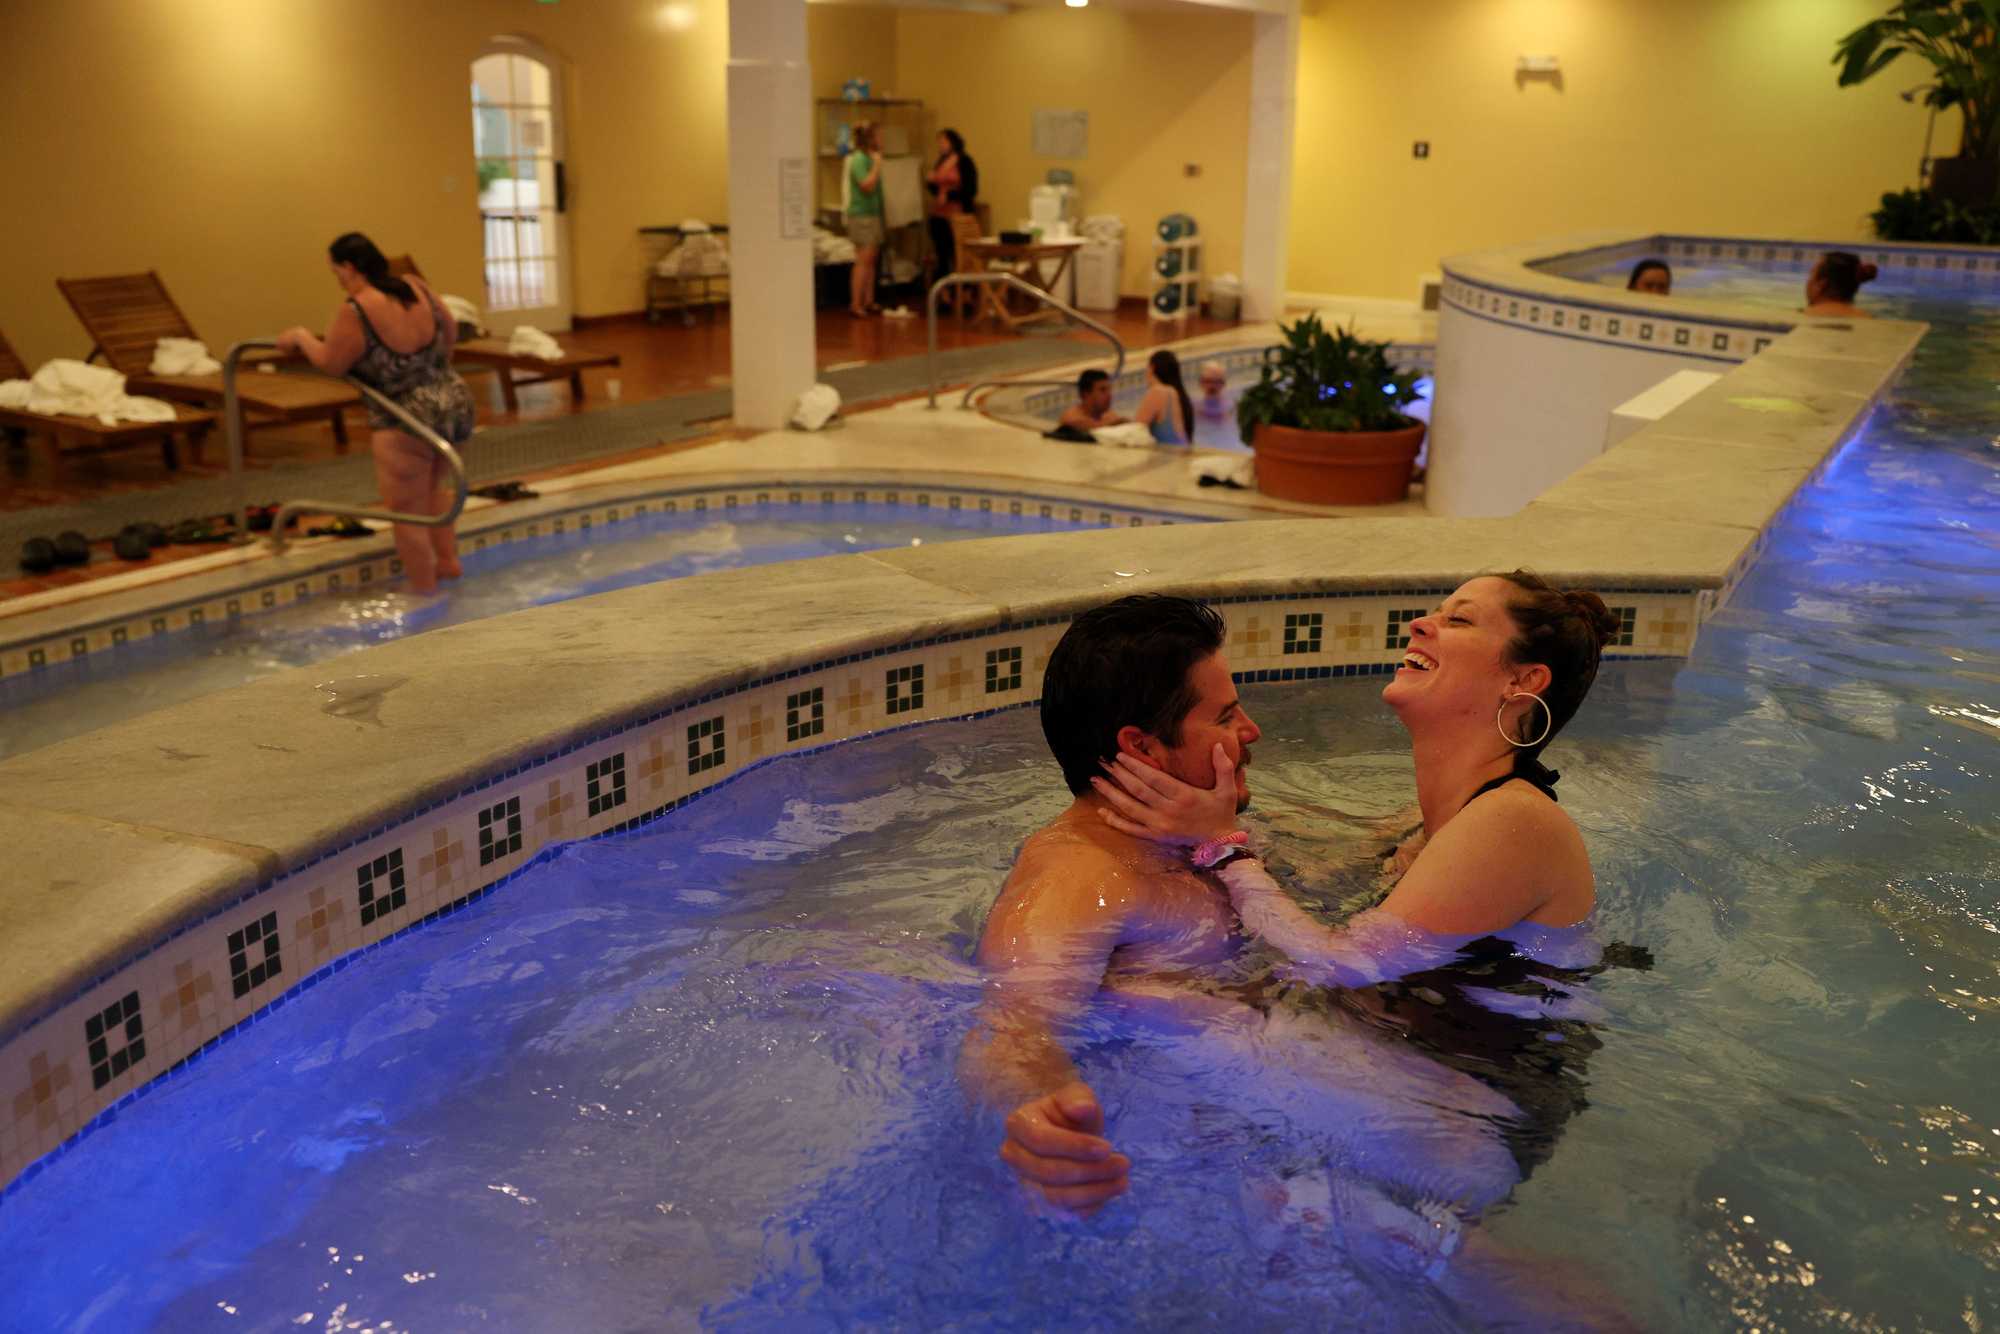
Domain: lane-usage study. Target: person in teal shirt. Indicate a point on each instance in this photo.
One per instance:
(864, 216)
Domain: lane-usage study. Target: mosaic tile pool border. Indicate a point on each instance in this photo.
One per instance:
(1767, 254)
(69, 1068)
(1712, 338)
(340, 573)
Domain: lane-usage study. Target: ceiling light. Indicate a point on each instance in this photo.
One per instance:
(1076, 4)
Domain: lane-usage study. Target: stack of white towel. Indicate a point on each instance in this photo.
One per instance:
(77, 389)
(527, 341)
(700, 254)
(183, 356)
(831, 247)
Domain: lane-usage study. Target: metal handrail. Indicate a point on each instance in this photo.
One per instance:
(232, 414)
(1019, 285)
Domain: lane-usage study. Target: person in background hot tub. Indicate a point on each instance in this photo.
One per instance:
(1834, 282)
(1092, 408)
(1651, 275)
(1216, 402)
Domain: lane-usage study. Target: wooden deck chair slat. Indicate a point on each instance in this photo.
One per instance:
(126, 315)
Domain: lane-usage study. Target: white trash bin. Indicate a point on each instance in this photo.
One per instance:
(1098, 267)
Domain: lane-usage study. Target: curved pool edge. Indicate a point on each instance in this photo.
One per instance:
(152, 856)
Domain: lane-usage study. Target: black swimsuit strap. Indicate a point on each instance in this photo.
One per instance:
(1526, 767)
(366, 327)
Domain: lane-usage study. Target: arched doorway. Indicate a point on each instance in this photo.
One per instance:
(517, 143)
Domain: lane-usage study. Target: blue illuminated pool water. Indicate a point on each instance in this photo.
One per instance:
(82, 694)
(701, 1075)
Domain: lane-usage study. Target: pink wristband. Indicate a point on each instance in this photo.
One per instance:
(1207, 854)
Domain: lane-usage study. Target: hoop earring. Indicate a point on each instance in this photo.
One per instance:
(1548, 720)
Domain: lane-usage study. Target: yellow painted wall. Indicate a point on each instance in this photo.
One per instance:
(851, 41)
(225, 142)
(1162, 90)
(1682, 115)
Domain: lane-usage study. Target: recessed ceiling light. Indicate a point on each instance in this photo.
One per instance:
(1076, 4)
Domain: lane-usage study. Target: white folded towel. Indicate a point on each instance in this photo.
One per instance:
(528, 341)
(1129, 434)
(67, 388)
(183, 356)
(463, 313)
(1228, 469)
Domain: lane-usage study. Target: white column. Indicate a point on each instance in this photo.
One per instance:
(1267, 203)
(770, 210)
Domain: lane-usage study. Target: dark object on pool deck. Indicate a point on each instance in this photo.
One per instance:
(505, 491)
(1071, 434)
(132, 543)
(38, 556)
(1229, 482)
(262, 516)
(214, 528)
(342, 527)
(72, 548)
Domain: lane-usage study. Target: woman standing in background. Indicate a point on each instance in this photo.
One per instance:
(954, 187)
(864, 217)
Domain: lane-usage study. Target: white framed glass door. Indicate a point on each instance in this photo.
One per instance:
(517, 144)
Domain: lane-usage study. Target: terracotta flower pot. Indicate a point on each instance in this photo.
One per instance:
(1336, 467)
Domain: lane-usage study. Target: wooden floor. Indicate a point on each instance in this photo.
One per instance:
(658, 361)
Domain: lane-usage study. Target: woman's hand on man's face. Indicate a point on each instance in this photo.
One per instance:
(1152, 804)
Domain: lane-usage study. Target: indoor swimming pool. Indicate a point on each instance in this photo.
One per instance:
(701, 1074)
(81, 694)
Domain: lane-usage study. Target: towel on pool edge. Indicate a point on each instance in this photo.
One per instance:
(528, 341)
(66, 388)
(183, 356)
(1129, 434)
(1237, 470)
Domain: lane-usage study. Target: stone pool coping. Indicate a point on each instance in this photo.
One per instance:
(147, 853)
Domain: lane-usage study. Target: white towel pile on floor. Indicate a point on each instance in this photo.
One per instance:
(77, 389)
(183, 356)
(831, 247)
(700, 254)
(528, 341)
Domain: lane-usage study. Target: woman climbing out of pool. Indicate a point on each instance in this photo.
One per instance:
(1835, 281)
(1488, 681)
(391, 334)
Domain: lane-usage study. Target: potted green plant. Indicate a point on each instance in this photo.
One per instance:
(1325, 419)
(1961, 40)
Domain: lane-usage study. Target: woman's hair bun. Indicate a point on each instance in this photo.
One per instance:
(1603, 621)
(1866, 273)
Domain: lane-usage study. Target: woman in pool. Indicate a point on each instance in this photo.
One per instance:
(1651, 275)
(391, 334)
(1489, 679)
(1834, 283)
(1166, 410)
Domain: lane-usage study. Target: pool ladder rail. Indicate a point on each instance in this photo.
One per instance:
(1019, 285)
(232, 415)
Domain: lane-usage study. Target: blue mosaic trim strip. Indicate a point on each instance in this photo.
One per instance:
(338, 573)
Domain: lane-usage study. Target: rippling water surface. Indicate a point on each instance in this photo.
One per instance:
(702, 1074)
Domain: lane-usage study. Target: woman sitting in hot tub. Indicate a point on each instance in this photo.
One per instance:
(1166, 410)
(1489, 678)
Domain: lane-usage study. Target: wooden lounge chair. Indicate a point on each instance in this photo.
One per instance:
(492, 354)
(127, 315)
(69, 433)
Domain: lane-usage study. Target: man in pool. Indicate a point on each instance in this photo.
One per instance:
(1093, 920)
(1092, 408)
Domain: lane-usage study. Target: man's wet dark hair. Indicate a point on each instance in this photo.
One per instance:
(1125, 664)
(1088, 381)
